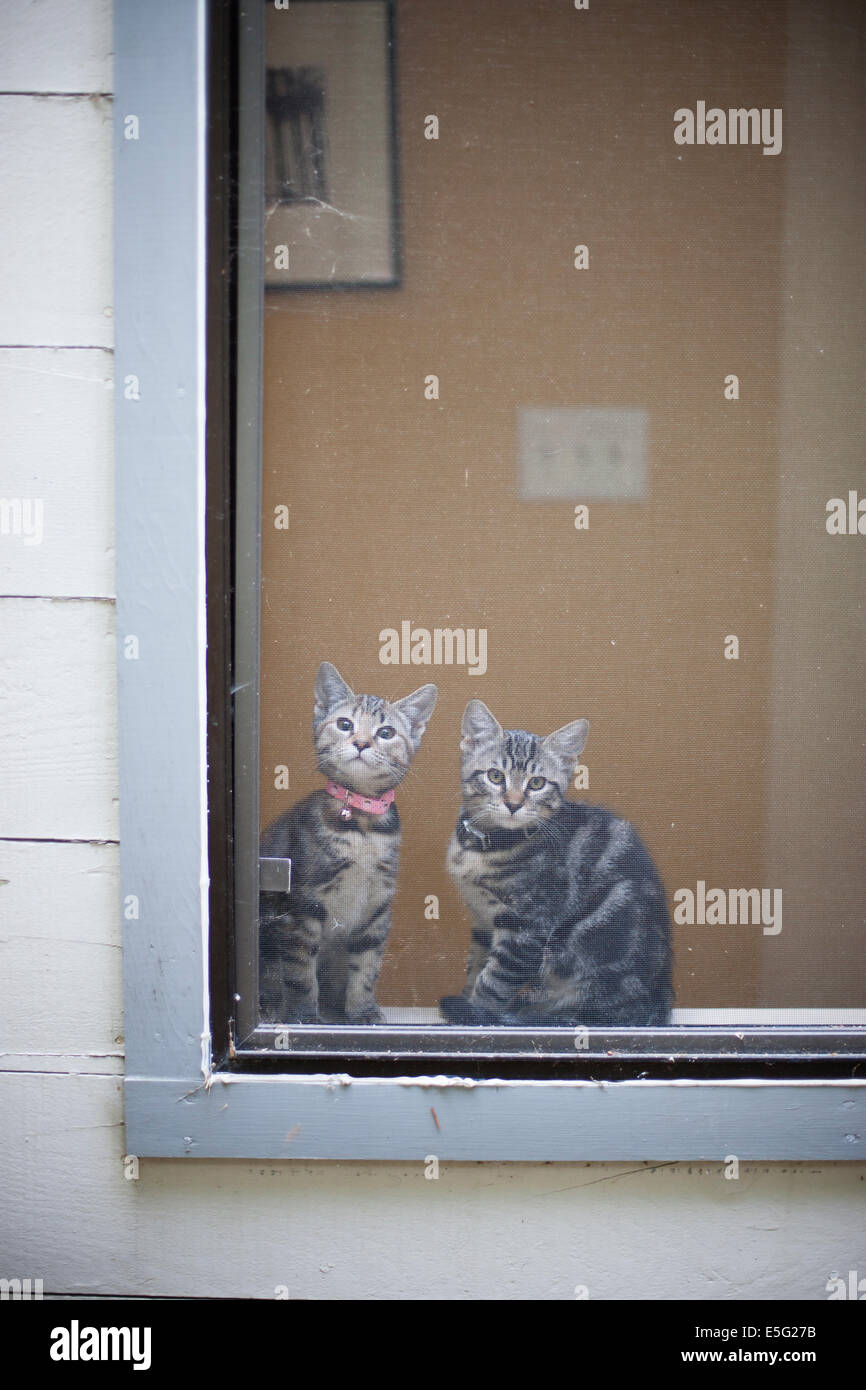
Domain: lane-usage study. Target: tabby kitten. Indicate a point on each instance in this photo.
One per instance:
(321, 944)
(569, 918)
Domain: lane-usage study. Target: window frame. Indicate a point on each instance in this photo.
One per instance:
(190, 1090)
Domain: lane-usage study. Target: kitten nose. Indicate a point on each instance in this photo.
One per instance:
(513, 805)
(359, 745)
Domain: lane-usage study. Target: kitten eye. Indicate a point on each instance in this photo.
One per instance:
(385, 732)
(345, 726)
(535, 784)
(496, 776)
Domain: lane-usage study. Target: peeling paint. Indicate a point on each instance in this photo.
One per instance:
(469, 1083)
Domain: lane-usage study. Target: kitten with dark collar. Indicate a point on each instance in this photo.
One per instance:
(321, 945)
(569, 922)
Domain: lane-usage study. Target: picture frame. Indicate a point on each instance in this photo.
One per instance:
(330, 186)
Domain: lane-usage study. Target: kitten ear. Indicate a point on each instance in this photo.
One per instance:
(331, 690)
(478, 725)
(568, 742)
(417, 708)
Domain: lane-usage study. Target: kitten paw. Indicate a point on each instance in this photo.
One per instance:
(286, 1018)
(372, 1015)
(456, 1008)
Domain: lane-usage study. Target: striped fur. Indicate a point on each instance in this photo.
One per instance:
(321, 946)
(570, 925)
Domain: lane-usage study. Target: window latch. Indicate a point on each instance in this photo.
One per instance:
(275, 875)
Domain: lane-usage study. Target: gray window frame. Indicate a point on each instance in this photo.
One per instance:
(179, 1100)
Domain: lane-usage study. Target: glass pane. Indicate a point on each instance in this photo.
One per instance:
(562, 413)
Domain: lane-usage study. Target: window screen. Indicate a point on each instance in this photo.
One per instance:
(551, 357)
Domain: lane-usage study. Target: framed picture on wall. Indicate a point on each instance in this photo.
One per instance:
(330, 160)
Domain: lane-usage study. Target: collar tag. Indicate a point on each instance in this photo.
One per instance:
(495, 839)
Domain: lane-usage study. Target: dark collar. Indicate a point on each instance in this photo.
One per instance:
(491, 840)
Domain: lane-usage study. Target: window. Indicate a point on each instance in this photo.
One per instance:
(569, 456)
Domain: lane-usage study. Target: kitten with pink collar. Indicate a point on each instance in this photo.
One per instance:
(321, 945)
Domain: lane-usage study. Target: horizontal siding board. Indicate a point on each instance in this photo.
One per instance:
(58, 759)
(56, 406)
(55, 46)
(60, 957)
(65, 1063)
(55, 221)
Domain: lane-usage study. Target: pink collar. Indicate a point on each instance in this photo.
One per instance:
(376, 806)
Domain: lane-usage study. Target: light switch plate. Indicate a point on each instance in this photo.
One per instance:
(582, 454)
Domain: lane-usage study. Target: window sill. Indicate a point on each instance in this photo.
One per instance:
(461, 1119)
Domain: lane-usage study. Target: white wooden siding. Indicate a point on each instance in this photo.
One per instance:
(55, 46)
(57, 734)
(60, 945)
(56, 406)
(55, 220)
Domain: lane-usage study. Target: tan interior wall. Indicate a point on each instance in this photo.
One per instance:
(556, 129)
(817, 782)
